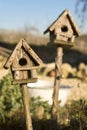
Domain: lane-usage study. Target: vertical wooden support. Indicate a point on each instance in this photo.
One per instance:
(58, 76)
(26, 106)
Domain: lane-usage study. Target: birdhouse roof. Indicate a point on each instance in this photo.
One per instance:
(69, 17)
(29, 50)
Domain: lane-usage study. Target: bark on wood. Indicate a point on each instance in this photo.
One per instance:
(58, 76)
(26, 107)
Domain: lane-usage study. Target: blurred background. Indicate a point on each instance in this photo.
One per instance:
(29, 19)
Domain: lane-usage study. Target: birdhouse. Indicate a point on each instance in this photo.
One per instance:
(63, 30)
(24, 63)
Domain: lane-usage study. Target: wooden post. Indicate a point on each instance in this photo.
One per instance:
(26, 106)
(58, 76)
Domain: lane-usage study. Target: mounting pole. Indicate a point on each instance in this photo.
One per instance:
(58, 76)
(26, 106)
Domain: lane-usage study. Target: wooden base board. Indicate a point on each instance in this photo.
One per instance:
(64, 44)
(32, 80)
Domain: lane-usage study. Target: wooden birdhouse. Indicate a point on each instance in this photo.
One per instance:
(63, 30)
(24, 63)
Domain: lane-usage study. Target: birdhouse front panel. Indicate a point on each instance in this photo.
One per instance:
(22, 67)
(23, 60)
(64, 30)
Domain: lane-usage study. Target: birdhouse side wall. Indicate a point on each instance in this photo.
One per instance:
(52, 36)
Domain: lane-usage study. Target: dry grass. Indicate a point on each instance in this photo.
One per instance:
(13, 37)
(81, 43)
(79, 90)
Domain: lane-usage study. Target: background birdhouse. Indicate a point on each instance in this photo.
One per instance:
(24, 63)
(63, 30)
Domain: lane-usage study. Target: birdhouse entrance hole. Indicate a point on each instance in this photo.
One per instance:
(64, 28)
(22, 62)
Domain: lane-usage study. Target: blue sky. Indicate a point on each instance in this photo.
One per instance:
(19, 14)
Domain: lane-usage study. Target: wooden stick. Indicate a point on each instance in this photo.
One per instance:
(58, 76)
(26, 106)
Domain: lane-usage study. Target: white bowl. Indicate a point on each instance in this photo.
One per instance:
(44, 89)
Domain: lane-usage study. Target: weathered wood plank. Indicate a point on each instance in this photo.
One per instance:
(32, 53)
(64, 44)
(32, 80)
(24, 68)
(12, 56)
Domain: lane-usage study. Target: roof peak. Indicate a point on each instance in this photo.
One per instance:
(22, 43)
(65, 12)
